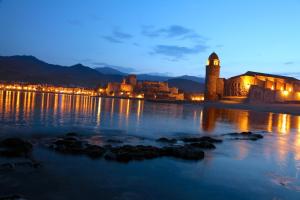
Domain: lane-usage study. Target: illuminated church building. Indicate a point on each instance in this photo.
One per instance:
(252, 87)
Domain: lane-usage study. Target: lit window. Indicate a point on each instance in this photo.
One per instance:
(216, 62)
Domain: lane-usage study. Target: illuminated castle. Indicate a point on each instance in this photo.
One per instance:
(250, 86)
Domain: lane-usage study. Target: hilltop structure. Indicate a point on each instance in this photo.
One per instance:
(130, 87)
(250, 86)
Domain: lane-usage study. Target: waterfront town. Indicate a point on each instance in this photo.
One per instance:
(128, 88)
(250, 87)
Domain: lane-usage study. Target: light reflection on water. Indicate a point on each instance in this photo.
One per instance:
(51, 112)
(277, 157)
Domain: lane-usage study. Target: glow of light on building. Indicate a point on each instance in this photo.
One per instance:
(246, 80)
(197, 98)
(272, 88)
(285, 93)
(216, 62)
(47, 88)
(140, 96)
(248, 86)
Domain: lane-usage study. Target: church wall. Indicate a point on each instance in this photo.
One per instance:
(239, 86)
(259, 94)
(220, 87)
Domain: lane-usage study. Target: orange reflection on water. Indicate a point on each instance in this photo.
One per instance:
(99, 112)
(283, 125)
(246, 121)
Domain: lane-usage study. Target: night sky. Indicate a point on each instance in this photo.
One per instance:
(169, 37)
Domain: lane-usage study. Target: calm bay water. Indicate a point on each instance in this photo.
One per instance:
(264, 169)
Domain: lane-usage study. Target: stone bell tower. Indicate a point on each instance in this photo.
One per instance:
(212, 77)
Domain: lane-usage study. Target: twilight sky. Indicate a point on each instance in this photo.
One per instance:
(172, 37)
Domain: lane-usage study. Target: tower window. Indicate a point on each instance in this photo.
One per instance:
(216, 62)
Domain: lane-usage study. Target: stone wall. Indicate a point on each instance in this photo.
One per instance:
(261, 95)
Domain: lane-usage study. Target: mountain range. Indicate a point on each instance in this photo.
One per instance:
(29, 69)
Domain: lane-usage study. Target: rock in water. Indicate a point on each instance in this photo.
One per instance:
(246, 136)
(12, 197)
(201, 139)
(114, 141)
(94, 151)
(127, 153)
(203, 145)
(166, 140)
(183, 152)
(15, 147)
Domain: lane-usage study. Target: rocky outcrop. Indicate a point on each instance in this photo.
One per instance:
(15, 147)
(166, 140)
(12, 197)
(201, 139)
(245, 136)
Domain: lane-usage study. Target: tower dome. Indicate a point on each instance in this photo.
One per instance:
(213, 60)
(213, 56)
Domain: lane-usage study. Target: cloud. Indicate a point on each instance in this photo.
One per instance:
(121, 35)
(118, 36)
(74, 22)
(112, 39)
(120, 68)
(178, 52)
(174, 31)
(289, 63)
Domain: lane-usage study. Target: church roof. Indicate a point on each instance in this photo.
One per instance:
(213, 56)
(251, 73)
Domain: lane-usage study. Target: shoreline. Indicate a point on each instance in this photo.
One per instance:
(284, 108)
(293, 109)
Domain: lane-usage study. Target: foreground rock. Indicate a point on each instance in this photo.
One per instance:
(20, 164)
(125, 153)
(73, 145)
(15, 147)
(183, 152)
(166, 140)
(114, 141)
(128, 153)
(201, 139)
(12, 197)
(203, 145)
(245, 136)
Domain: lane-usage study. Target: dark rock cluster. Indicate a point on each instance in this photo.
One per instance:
(190, 150)
(245, 136)
(187, 148)
(201, 139)
(15, 147)
(12, 197)
(72, 144)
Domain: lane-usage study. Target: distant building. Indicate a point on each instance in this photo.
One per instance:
(113, 89)
(252, 86)
(130, 87)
